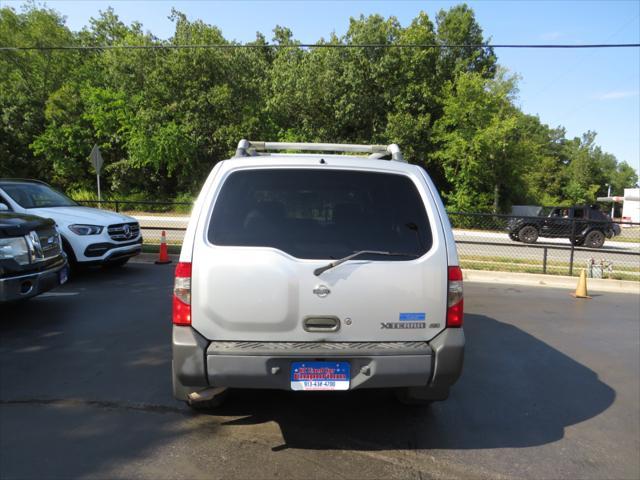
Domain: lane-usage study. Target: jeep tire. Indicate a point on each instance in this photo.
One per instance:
(528, 234)
(594, 239)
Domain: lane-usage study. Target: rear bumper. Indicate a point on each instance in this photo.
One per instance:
(29, 285)
(200, 364)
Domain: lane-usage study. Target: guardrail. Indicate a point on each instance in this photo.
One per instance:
(483, 240)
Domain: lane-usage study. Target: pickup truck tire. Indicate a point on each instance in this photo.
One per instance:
(72, 262)
(528, 234)
(594, 239)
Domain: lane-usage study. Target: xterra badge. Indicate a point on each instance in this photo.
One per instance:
(407, 320)
(401, 325)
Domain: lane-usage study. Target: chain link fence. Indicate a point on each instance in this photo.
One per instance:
(154, 217)
(550, 244)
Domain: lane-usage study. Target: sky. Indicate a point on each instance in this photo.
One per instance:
(582, 90)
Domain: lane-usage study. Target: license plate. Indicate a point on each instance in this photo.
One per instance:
(320, 375)
(64, 275)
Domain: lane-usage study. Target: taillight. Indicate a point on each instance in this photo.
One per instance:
(455, 301)
(182, 294)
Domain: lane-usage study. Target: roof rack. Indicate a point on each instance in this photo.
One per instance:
(247, 148)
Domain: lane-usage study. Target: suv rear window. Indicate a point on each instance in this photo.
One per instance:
(320, 214)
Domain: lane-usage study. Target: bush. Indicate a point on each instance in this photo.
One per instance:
(82, 194)
(184, 198)
(133, 202)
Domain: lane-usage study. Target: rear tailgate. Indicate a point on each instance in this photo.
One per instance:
(253, 273)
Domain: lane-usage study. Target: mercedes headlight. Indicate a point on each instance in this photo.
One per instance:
(15, 248)
(86, 229)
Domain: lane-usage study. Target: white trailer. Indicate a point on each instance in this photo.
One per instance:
(630, 204)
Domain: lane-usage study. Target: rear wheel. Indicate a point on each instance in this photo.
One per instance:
(423, 396)
(528, 234)
(594, 239)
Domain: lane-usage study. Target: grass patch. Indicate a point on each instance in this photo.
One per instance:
(531, 262)
(628, 235)
(558, 268)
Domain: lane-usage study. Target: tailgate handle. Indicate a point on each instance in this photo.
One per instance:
(321, 324)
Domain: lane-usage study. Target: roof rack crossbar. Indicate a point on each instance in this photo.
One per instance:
(248, 148)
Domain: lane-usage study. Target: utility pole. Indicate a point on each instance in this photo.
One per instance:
(613, 204)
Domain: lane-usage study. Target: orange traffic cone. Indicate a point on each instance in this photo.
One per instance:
(581, 290)
(163, 257)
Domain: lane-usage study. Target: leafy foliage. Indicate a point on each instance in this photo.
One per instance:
(163, 117)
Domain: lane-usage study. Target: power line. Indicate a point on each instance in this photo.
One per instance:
(315, 45)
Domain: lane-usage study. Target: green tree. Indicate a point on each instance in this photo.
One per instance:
(546, 174)
(458, 26)
(27, 79)
(480, 142)
(163, 117)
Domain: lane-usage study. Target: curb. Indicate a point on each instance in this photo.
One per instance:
(552, 281)
(147, 258)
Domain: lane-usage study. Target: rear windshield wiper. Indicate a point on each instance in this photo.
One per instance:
(320, 270)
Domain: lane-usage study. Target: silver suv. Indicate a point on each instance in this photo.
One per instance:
(317, 272)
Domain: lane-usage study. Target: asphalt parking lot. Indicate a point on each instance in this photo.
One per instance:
(550, 390)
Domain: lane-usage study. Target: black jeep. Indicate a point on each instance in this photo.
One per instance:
(582, 224)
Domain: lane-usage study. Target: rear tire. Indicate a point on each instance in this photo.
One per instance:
(528, 234)
(594, 239)
(420, 396)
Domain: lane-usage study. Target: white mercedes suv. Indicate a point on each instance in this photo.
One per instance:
(317, 272)
(90, 236)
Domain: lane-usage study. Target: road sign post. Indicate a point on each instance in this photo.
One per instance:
(97, 161)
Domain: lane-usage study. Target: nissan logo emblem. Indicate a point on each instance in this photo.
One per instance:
(322, 291)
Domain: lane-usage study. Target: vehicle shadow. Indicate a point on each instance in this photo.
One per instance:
(85, 385)
(516, 391)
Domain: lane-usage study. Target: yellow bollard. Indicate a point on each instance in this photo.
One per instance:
(581, 290)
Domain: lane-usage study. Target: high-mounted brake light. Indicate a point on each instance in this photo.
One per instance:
(455, 301)
(182, 294)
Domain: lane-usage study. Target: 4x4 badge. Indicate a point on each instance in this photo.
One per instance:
(322, 291)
